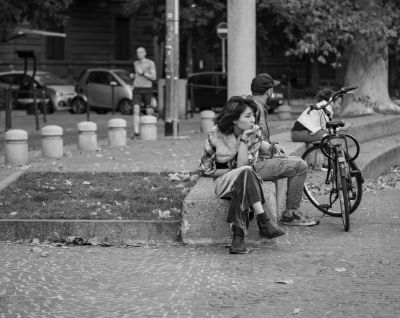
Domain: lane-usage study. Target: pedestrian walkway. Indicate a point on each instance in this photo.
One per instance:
(314, 272)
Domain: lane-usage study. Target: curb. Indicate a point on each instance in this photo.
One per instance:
(113, 232)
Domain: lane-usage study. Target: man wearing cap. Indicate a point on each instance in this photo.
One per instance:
(272, 163)
(262, 88)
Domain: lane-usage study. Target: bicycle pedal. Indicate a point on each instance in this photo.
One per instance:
(324, 206)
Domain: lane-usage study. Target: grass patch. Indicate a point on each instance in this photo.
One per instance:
(123, 196)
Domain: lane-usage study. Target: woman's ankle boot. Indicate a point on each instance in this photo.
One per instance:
(238, 246)
(267, 228)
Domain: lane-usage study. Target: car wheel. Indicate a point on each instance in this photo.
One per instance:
(125, 107)
(78, 106)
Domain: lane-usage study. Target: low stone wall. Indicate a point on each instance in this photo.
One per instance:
(204, 216)
(115, 232)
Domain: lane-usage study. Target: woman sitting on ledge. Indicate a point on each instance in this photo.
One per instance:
(231, 149)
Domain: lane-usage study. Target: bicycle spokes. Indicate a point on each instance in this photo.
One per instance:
(321, 187)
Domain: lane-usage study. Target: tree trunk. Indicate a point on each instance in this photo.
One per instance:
(368, 69)
(370, 74)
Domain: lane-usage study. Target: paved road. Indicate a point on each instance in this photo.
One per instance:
(328, 273)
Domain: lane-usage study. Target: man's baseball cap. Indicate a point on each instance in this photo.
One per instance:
(262, 82)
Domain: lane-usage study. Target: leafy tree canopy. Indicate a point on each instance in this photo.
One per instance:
(195, 18)
(323, 28)
(40, 14)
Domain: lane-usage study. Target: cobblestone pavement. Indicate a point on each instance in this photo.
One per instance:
(310, 272)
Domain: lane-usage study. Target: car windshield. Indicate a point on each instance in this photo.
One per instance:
(50, 79)
(124, 75)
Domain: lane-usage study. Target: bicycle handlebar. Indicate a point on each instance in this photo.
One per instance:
(334, 96)
(342, 91)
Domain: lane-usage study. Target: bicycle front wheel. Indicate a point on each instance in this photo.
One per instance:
(343, 193)
(322, 192)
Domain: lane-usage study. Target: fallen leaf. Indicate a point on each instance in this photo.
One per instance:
(285, 281)
(35, 241)
(339, 269)
(37, 249)
(296, 311)
(93, 241)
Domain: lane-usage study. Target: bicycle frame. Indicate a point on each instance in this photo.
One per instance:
(336, 164)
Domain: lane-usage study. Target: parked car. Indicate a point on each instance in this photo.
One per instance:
(58, 92)
(208, 90)
(95, 88)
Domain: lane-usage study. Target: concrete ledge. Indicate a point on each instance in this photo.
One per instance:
(204, 216)
(114, 232)
(379, 154)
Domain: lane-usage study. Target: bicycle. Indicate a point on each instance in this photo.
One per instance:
(334, 180)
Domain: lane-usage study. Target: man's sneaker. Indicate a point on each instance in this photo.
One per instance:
(296, 220)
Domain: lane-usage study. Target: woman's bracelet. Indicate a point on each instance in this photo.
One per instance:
(243, 140)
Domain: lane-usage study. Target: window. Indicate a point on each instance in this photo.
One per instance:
(99, 78)
(55, 48)
(122, 43)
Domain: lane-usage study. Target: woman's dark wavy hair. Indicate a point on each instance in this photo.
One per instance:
(232, 110)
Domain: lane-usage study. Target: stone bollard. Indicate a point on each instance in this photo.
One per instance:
(284, 112)
(148, 127)
(16, 146)
(52, 141)
(117, 132)
(87, 136)
(207, 120)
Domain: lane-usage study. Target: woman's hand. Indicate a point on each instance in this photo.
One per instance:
(249, 132)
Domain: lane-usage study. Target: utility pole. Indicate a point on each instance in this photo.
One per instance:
(172, 67)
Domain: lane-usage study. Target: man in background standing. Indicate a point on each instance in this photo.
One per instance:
(145, 74)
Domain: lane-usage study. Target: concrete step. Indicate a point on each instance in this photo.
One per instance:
(378, 154)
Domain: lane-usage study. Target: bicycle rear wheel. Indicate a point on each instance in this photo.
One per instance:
(325, 197)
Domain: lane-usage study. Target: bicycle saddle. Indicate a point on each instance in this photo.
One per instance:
(335, 124)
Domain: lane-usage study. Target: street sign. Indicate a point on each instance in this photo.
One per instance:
(222, 30)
